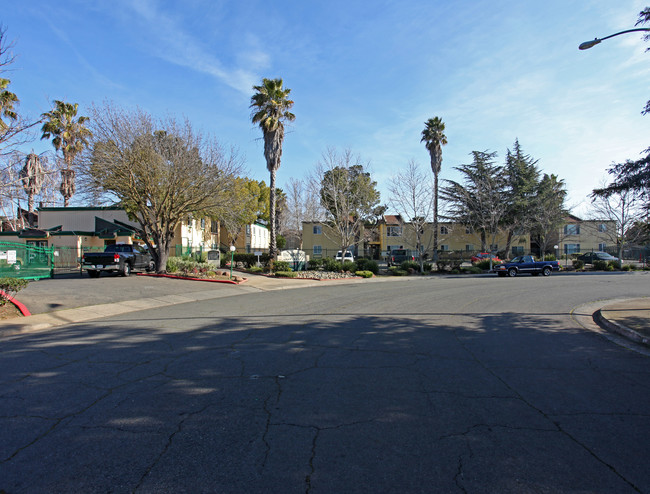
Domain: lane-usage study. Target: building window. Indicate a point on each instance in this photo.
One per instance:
(394, 231)
(572, 229)
(602, 228)
(518, 250)
(444, 247)
(317, 231)
(571, 248)
(248, 229)
(202, 223)
(468, 230)
(318, 250)
(248, 248)
(469, 247)
(602, 247)
(444, 231)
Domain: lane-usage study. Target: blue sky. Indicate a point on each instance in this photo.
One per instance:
(363, 75)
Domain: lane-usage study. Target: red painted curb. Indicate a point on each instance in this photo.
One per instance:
(156, 275)
(19, 305)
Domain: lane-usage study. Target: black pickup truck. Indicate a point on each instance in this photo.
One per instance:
(122, 258)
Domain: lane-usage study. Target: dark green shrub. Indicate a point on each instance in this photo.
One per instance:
(485, 264)
(612, 265)
(427, 267)
(248, 260)
(281, 266)
(473, 269)
(395, 271)
(600, 265)
(408, 265)
(255, 269)
(332, 265)
(452, 260)
(578, 264)
(10, 287)
(364, 274)
(349, 266)
(627, 267)
(285, 274)
(368, 265)
(550, 257)
(315, 263)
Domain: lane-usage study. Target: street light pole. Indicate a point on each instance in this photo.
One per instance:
(588, 44)
(232, 258)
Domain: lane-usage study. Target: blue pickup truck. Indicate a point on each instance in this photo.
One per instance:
(526, 264)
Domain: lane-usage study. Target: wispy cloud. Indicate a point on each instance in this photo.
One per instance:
(171, 42)
(61, 34)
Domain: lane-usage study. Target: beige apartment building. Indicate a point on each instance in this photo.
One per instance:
(579, 236)
(392, 232)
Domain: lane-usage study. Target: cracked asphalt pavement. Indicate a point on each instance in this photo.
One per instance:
(459, 384)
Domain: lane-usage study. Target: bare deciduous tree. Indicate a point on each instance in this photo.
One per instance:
(625, 208)
(347, 194)
(412, 196)
(302, 204)
(19, 178)
(161, 171)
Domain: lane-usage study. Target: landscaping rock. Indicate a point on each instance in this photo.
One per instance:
(324, 275)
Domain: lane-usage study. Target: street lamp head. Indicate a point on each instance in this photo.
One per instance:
(233, 248)
(588, 44)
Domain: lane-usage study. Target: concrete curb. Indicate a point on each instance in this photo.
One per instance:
(620, 329)
(19, 305)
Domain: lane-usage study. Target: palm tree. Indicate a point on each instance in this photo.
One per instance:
(7, 102)
(32, 176)
(434, 138)
(271, 107)
(70, 136)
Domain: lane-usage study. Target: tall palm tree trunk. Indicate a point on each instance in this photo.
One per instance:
(435, 218)
(272, 232)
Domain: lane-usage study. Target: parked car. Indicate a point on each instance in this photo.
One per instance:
(398, 256)
(120, 258)
(349, 256)
(484, 256)
(527, 264)
(590, 257)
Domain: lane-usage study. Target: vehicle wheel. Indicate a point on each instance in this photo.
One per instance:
(546, 271)
(152, 267)
(126, 271)
(512, 272)
(93, 273)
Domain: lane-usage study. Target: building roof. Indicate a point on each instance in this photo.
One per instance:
(393, 219)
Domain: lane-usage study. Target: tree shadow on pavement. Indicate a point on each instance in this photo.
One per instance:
(344, 403)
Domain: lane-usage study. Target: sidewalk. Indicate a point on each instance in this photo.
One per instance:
(630, 318)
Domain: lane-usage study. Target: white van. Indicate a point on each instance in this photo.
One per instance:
(348, 256)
